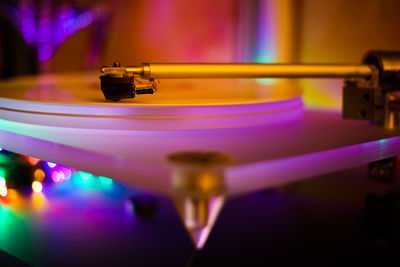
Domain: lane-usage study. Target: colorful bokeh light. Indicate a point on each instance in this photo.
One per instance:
(3, 172)
(33, 161)
(46, 25)
(39, 175)
(57, 177)
(85, 175)
(105, 180)
(37, 186)
(51, 164)
(55, 172)
(3, 191)
(67, 173)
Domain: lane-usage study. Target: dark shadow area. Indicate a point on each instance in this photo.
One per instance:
(16, 57)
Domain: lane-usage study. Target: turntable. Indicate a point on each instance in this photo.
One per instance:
(201, 141)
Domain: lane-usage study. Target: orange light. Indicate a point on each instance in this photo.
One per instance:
(33, 161)
(39, 175)
(13, 195)
(39, 201)
(37, 186)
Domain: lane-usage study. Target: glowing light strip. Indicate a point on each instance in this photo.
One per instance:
(264, 47)
(279, 171)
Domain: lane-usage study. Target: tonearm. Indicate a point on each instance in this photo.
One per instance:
(368, 91)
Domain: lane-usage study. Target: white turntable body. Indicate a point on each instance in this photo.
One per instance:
(271, 136)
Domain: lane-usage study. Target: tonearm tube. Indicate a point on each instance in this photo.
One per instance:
(368, 91)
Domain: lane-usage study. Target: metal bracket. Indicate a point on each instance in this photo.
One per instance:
(362, 98)
(374, 98)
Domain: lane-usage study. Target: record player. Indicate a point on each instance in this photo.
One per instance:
(198, 151)
(202, 134)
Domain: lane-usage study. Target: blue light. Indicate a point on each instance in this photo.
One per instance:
(51, 164)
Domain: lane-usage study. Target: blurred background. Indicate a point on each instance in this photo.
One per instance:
(38, 36)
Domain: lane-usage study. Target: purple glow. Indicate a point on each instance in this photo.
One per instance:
(44, 30)
(46, 25)
(27, 22)
(44, 52)
(128, 207)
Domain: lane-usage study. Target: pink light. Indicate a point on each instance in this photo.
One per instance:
(57, 177)
(67, 173)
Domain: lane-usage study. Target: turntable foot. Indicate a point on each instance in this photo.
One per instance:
(198, 182)
(383, 171)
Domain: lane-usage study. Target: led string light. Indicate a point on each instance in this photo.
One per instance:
(33, 161)
(44, 172)
(3, 191)
(37, 187)
(3, 183)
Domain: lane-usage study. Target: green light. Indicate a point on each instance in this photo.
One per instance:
(3, 173)
(5, 159)
(85, 175)
(105, 180)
